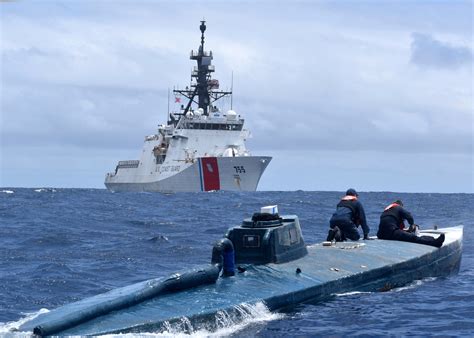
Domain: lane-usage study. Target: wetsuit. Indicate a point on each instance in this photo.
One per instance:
(391, 227)
(349, 214)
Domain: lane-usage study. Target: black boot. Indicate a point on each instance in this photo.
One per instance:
(439, 241)
(338, 236)
(331, 234)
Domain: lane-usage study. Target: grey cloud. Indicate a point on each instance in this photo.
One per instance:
(99, 117)
(352, 135)
(306, 80)
(428, 52)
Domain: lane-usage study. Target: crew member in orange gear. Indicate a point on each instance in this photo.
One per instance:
(392, 227)
(349, 214)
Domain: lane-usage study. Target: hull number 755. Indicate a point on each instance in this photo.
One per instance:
(239, 169)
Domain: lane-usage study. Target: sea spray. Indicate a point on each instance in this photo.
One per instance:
(9, 327)
(223, 323)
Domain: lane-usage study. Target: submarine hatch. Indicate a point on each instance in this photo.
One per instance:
(267, 238)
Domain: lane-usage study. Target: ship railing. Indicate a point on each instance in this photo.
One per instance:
(128, 164)
(180, 123)
(211, 126)
(195, 71)
(195, 53)
(151, 138)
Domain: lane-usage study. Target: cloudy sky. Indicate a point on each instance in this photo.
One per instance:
(375, 95)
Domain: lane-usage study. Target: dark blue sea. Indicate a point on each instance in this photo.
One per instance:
(61, 245)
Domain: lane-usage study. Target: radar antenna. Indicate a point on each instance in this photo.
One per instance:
(203, 87)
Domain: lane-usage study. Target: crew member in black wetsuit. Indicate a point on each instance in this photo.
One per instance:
(391, 226)
(349, 214)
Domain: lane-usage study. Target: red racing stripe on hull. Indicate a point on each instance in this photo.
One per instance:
(210, 173)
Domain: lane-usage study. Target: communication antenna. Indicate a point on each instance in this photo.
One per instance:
(231, 89)
(168, 101)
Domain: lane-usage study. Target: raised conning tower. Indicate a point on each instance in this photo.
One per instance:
(267, 238)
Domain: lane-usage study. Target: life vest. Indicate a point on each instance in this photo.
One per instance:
(346, 203)
(393, 205)
(349, 198)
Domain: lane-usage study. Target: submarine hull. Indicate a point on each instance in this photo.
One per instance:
(376, 265)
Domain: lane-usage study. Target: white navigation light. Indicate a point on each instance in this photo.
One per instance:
(270, 209)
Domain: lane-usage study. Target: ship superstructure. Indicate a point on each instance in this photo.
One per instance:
(201, 148)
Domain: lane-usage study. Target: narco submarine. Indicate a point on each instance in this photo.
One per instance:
(263, 260)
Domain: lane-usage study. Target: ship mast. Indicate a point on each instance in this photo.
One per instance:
(204, 71)
(201, 83)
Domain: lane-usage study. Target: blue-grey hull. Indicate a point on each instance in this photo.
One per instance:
(375, 265)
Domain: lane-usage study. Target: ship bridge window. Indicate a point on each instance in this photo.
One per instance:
(128, 164)
(160, 159)
(212, 126)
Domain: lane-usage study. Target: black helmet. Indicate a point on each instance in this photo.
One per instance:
(399, 202)
(351, 192)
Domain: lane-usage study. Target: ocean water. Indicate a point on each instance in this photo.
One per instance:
(61, 245)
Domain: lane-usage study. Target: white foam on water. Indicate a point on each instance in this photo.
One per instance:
(352, 293)
(11, 328)
(8, 191)
(45, 190)
(414, 284)
(223, 324)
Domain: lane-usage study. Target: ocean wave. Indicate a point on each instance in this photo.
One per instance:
(225, 323)
(59, 250)
(414, 284)
(353, 293)
(11, 328)
(45, 190)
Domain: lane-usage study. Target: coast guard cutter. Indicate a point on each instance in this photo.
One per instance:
(199, 149)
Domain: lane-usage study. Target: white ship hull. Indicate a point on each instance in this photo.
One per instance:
(206, 174)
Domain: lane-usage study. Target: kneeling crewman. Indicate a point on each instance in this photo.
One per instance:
(349, 214)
